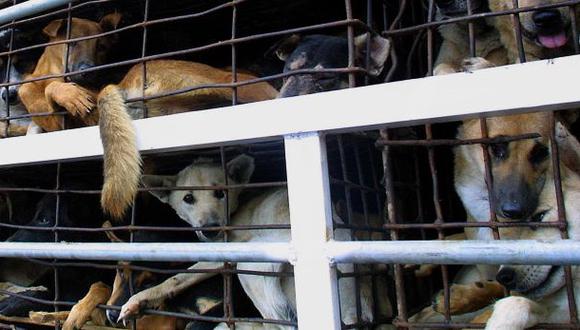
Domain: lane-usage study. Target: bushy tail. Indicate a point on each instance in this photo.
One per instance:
(122, 162)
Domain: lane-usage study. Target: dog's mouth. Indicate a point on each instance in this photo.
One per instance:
(553, 282)
(552, 40)
(208, 235)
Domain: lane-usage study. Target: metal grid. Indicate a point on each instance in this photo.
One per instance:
(394, 25)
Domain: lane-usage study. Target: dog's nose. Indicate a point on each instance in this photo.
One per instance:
(546, 19)
(512, 210)
(9, 95)
(507, 277)
(113, 315)
(83, 66)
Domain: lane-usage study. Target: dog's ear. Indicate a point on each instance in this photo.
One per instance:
(53, 28)
(285, 47)
(379, 51)
(159, 181)
(110, 22)
(568, 147)
(241, 168)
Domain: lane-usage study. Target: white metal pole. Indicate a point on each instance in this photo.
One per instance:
(27, 8)
(311, 220)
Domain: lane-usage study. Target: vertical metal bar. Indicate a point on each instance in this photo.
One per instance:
(311, 220)
(143, 54)
(234, 54)
(392, 218)
(518, 30)
(368, 43)
(489, 178)
(131, 240)
(471, 31)
(55, 233)
(7, 77)
(573, 22)
(430, 57)
(350, 38)
(228, 303)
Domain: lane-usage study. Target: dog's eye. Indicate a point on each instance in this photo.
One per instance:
(538, 217)
(44, 221)
(189, 199)
(499, 150)
(538, 154)
(219, 194)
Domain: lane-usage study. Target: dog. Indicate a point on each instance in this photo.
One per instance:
(122, 161)
(455, 45)
(326, 52)
(272, 296)
(546, 33)
(75, 94)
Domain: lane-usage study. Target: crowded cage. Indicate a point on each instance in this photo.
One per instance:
(250, 164)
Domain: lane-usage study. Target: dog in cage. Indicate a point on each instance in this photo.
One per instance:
(273, 296)
(186, 85)
(75, 94)
(546, 33)
(455, 48)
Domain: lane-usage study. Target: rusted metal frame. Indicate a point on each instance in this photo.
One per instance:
(144, 64)
(29, 115)
(56, 239)
(439, 220)
(573, 22)
(471, 31)
(7, 78)
(489, 178)
(353, 185)
(562, 218)
(487, 224)
(430, 39)
(351, 46)
(393, 53)
(131, 240)
(349, 221)
(414, 28)
(414, 50)
(429, 325)
(184, 51)
(227, 278)
(453, 143)
(391, 209)
(518, 31)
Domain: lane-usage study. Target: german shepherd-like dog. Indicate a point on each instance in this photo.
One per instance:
(75, 94)
(546, 33)
(272, 296)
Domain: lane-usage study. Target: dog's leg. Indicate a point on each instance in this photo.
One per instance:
(33, 128)
(266, 292)
(33, 98)
(515, 313)
(81, 312)
(469, 298)
(78, 101)
(45, 317)
(153, 297)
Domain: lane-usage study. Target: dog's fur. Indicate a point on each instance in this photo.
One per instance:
(542, 38)
(326, 52)
(122, 161)
(272, 296)
(75, 94)
(455, 46)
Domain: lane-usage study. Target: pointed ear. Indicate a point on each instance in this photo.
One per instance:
(379, 51)
(110, 21)
(52, 28)
(159, 181)
(285, 47)
(241, 168)
(568, 147)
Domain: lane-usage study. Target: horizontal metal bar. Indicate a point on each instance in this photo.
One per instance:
(27, 8)
(232, 252)
(561, 252)
(443, 98)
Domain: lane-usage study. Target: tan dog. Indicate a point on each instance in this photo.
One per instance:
(546, 33)
(455, 46)
(75, 93)
(121, 156)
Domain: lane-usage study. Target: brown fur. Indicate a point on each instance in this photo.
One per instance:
(51, 95)
(505, 26)
(467, 298)
(121, 156)
(86, 307)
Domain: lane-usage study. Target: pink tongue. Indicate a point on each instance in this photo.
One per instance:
(553, 41)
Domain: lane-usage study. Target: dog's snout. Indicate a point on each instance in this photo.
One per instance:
(84, 66)
(507, 277)
(512, 210)
(113, 315)
(547, 19)
(9, 95)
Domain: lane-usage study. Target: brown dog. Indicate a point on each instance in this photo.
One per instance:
(546, 33)
(122, 161)
(74, 93)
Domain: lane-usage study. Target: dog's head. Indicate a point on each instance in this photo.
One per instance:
(325, 52)
(203, 208)
(83, 54)
(537, 281)
(548, 28)
(519, 168)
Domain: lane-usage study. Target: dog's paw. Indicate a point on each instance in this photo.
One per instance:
(78, 316)
(76, 100)
(469, 297)
(475, 63)
(130, 308)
